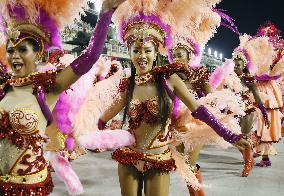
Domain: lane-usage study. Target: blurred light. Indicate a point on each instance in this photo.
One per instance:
(215, 54)
(209, 51)
(221, 56)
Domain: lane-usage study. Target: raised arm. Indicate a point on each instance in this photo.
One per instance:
(114, 110)
(203, 114)
(85, 61)
(117, 106)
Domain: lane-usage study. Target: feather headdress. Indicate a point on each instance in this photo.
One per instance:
(196, 29)
(260, 57)
(40, 20)
(257, 53)
(152, 20)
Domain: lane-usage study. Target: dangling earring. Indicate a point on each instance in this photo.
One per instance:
(38, 59)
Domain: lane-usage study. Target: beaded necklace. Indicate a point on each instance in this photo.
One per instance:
(140, 80)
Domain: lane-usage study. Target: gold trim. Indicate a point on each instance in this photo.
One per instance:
(166, 155)
(26, 179)
(24, 38)
(184, 46)
(144, 30)
(27, 131)
(242, 57)
(62, 138)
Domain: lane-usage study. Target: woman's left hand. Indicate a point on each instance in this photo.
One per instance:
(110, 4)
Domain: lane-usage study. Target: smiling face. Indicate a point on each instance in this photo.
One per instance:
(239, 66)
(21, 58)
(143, 56)
(181, 55)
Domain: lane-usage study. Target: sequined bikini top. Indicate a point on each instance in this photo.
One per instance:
(143, 111)
(19, 126)
(24, 121)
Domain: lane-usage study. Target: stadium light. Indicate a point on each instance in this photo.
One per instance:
(215, 54)
(209, 51)
(221, 56)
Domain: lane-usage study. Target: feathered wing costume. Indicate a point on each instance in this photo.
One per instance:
(42, 21)
(264, 59)
(85, 102)
(192, 36)
(86, 94)
(158, 20)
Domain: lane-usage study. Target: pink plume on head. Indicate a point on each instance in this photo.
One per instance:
(221, 73)
(52, 28)
(46, 22)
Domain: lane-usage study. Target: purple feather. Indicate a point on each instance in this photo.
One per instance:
(50, 26)
(227, 21)
(46, 23)
(61, 109)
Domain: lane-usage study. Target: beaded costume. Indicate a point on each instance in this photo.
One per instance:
(26, 103)
(265, 66)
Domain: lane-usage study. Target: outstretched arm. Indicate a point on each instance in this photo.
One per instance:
(201, 113)
(85, 61)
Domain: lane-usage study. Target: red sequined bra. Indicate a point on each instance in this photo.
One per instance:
(146, 111)
(20, 129)
(30, 174)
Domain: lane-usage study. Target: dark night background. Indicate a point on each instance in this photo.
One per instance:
(248, 16)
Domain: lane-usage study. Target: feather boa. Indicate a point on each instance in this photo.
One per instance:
(106, 139)
(65, 172)
(70, 101)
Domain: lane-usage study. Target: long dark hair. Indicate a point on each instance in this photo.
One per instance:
(163, 97)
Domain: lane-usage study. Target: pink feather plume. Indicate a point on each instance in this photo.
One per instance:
(106, 139)
(221, 73)
(65, 172)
